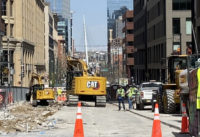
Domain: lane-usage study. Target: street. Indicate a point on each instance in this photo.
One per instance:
(105, 122)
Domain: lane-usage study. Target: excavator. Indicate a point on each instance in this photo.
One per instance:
(37, 92)
(83, 85)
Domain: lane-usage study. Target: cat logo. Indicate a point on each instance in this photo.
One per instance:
(93, 84)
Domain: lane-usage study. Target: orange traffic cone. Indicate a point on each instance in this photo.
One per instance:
(59, 98)
(78, 131)
(64, 97)
(185, 124)
(156, 130)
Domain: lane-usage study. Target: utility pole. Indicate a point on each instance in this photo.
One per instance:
(8, 40)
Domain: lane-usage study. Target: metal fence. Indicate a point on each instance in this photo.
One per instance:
(12, 95)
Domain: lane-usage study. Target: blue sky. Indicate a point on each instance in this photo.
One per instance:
(95, 12)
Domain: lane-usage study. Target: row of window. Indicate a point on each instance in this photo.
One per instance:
(181, 4)
(156, 53)
(177, 26)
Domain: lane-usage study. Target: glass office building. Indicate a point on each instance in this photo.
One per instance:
(62, 8)
(116, 8)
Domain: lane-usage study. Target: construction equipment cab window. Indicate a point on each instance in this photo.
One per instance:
(176, 63)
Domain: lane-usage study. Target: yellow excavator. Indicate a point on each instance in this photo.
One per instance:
(83, 85)
(38, 93)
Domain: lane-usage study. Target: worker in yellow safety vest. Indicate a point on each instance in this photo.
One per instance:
(120, 97)
(130, 93)
(59, 92)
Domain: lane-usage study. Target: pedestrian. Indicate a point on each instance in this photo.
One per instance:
(120, 97)
(130, 93)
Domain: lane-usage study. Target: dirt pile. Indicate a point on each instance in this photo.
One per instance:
(23, 117)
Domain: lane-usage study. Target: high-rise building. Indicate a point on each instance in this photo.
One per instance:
(162, 28)
(115, 10)
(62, 8)
(128, 48)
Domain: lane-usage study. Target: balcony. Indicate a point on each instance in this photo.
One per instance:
(130, 61)
(128, 14)
(129, 26)
(129, 49)
(129, 37)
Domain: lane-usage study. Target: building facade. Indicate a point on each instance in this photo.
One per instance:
(128, 48)
(196, 24)
(50, 45)
(140, 37)
(2, 33)
(62, 9)
(24, 41)
(166, 31)
(115, 8)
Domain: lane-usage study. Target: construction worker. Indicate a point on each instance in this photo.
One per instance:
(130, 93)
(120, 97)
(59, 92)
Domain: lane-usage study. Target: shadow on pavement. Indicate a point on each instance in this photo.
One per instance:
(176, 134)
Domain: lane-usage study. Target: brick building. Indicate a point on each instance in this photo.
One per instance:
(128, 48)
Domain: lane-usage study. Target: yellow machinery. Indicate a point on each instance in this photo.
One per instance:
(38, 93)
(169, 97)
(83, 85)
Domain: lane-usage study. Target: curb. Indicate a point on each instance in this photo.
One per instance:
(149, 118)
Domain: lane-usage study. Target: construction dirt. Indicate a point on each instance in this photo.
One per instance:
(22, 117)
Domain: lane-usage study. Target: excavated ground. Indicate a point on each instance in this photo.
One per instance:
(22, 117)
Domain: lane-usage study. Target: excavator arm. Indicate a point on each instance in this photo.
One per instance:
(77, 65)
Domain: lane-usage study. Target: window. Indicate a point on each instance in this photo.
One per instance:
(181, 4)
(11, 30)
(130, 55)
(158, 8)
(188, 26)
(176, 48)
(176, 26)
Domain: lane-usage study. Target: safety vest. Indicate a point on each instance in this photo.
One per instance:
(198, 91)
(59, 91)
(131, 92)
(121, 92)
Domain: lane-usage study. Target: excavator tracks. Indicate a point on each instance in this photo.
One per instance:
(72, 100)
(100, 101)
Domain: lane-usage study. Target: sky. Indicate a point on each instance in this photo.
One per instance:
(95, 12)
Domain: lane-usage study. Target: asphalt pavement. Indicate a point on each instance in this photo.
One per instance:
(107, 122)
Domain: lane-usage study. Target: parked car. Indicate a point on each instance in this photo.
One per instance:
(144, 95)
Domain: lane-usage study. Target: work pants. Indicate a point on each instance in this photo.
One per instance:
(130, 103)
(121, 100)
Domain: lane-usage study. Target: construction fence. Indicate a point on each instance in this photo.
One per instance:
(12, 95)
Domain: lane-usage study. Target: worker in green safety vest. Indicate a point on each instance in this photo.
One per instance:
(130, 93)
(120, 97)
